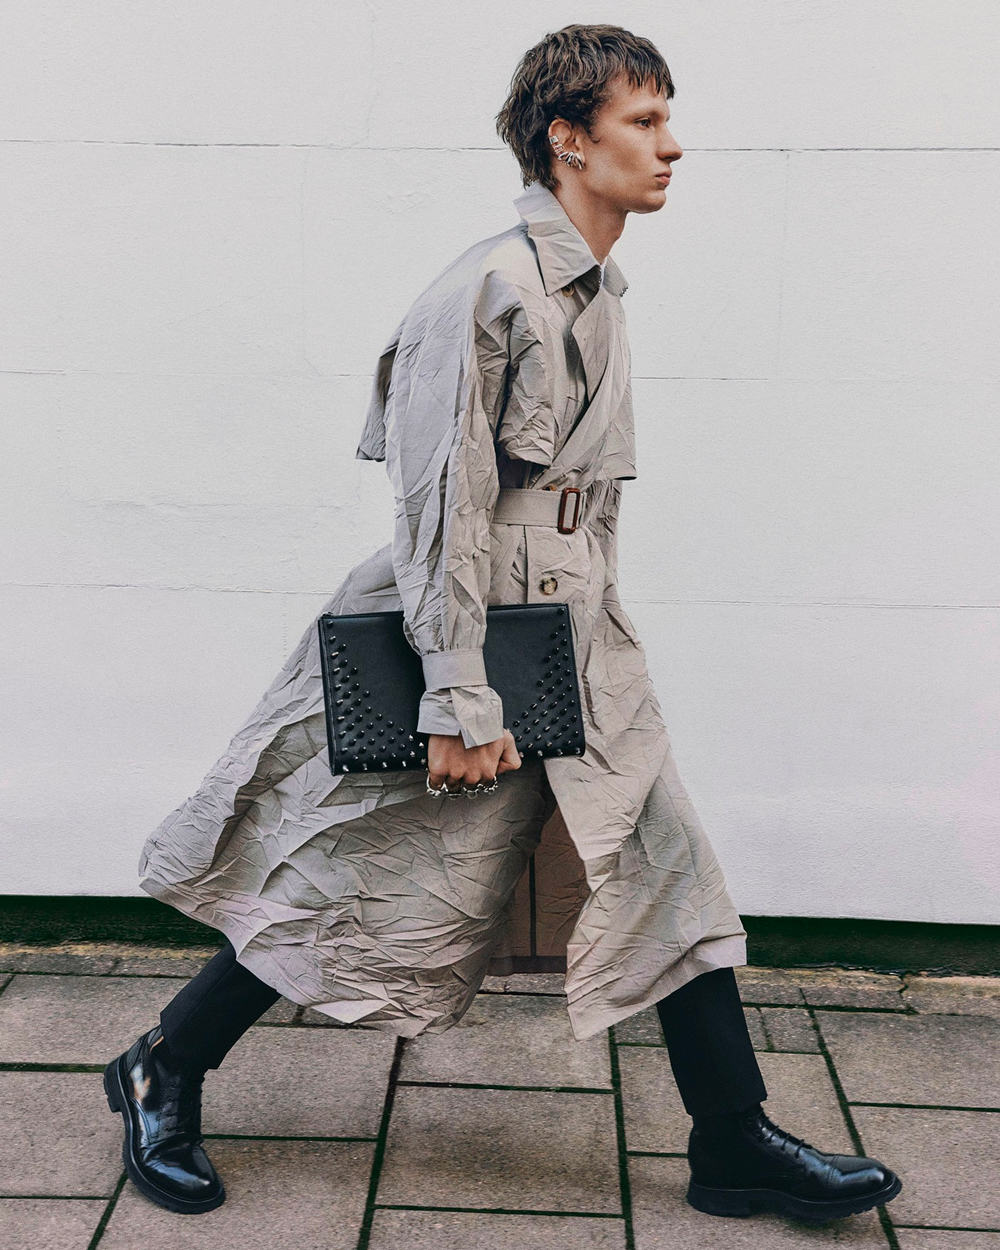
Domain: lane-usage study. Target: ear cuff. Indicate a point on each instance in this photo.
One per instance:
(573, 159)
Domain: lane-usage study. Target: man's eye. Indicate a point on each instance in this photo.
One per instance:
(643, 121)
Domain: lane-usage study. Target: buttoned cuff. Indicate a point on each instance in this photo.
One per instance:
(437, 714)
(474, 712)
(443, 669)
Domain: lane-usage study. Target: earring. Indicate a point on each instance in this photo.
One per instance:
(573, 159)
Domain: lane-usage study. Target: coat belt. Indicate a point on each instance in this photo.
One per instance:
(562, 508)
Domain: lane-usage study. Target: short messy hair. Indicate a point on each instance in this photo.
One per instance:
(570, 74)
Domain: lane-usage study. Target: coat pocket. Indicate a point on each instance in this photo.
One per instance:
(559, 567)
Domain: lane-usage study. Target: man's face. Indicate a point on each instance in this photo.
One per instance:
(631, 146)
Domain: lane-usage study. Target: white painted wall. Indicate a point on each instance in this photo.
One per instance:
(212, 217)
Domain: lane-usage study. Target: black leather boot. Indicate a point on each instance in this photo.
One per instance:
(744, 1162)
(160, 1103)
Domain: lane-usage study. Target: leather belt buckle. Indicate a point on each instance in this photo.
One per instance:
(563, 498)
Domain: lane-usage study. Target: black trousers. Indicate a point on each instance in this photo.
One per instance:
(703, 1022)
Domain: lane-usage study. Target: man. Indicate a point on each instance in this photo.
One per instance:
(508, 376)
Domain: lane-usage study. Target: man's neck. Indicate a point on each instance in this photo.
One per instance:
(600, 225)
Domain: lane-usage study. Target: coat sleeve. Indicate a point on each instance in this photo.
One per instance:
(441, 386)
(607, 502)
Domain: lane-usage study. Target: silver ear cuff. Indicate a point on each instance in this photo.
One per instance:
(573, 159)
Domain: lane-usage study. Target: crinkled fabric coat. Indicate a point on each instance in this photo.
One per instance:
(364, 896)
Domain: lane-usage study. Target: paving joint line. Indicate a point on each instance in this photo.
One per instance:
(525, 993)
(925, 1106)
(905, 1010)
(624, 1180)
(657, 1154)
(845, 1109)
(365, 1232)
(58, 1197)
(589, 1215)
(283, 1137)
(530, 1089)
(769, 1047)
(24, 1066)
(954, 1228)
(108, 1212)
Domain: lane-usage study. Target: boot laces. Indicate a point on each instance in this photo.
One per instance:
(787, 1138)
(182, 1103)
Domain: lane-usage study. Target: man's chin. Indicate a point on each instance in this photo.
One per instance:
(652, 202)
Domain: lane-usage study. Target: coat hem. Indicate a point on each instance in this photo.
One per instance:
(705, 956)
(264, 968)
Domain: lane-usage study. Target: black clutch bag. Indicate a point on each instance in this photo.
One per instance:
(373, 681)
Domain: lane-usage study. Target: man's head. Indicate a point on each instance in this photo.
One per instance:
(602, 92)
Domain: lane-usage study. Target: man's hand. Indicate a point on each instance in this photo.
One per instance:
(451, 763)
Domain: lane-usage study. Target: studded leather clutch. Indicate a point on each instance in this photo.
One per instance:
(373, 681)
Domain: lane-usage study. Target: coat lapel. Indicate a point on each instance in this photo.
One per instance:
(581, 456)
(563, 256)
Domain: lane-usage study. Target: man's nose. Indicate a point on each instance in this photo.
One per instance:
(670, 149)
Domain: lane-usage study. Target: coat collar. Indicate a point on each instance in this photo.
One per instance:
(563, 252)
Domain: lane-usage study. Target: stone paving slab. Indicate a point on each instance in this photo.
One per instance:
(655, 1118)
(936, 1041)
(76, 1152)
(59, 1018)
(81, 959)
(526, 983)
(828, 987)
(755, 1027)
(801, 1098)
(510, 1040)
(475, 1230)
(882, 1057)
(306, 1195)
(183, 965)
(789, 1028)
(49, 1223)
(768, 985)
(848, 987)
(948, 1161)
(820, 986)
(940, 1239)
(513, 1149)
(71, 1019)
(662, 1219)
(154, 961)
(643, 1028)
(974, 996)
(299, 1083)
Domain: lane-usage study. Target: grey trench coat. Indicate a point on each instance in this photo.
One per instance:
(362, 895)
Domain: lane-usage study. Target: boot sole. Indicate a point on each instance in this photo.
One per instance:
(743, 1202)
(114, 1090)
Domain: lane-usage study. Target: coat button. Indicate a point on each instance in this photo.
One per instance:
(548, 585)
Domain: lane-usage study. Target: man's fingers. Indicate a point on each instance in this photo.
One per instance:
(455, 766)
(509, 757)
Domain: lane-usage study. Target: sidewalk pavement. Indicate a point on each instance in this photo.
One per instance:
(502, 1132)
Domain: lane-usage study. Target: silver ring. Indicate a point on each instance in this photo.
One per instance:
(444, 791)
(481, 788)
